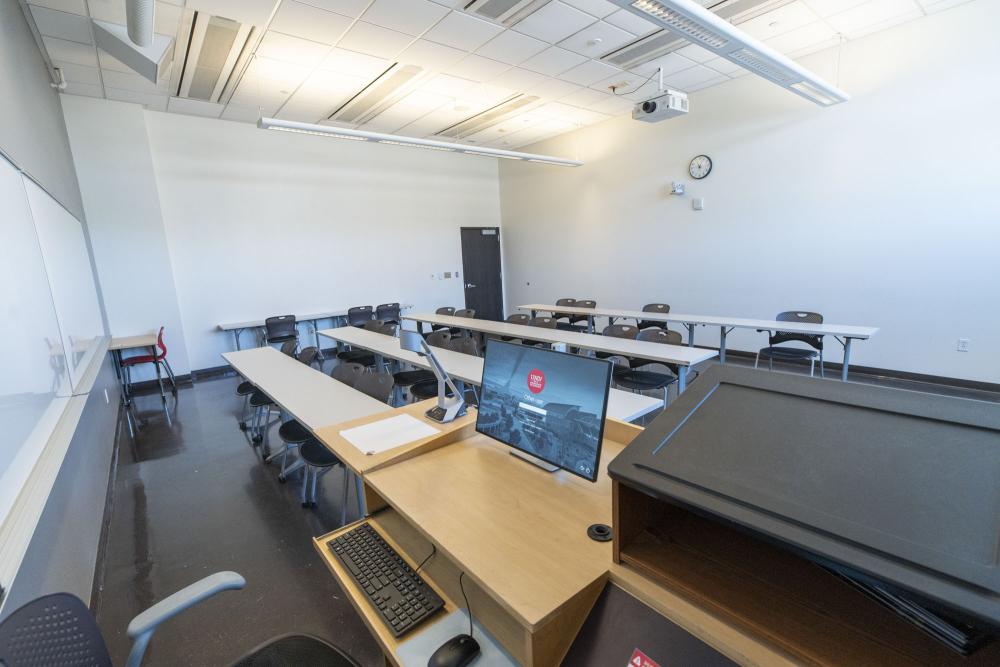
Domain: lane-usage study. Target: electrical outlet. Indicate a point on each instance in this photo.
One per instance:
(963, 345)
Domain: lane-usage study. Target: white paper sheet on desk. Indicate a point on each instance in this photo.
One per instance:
(387, 434)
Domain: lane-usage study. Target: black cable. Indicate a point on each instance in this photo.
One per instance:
(614, 90)
(465, 597)
(434, 550)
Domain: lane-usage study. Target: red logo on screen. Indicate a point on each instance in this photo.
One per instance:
(640, 659)
(536, 381)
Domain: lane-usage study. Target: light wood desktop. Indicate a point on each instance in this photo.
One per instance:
(519, 535)
(678, 355)
(622, 405)
(119, 343)
(726, 324)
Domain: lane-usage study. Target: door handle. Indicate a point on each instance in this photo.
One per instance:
(469, 285)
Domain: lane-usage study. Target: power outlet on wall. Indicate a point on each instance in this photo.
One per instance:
(963, 345)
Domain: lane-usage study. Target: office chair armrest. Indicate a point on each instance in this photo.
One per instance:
(143, 626)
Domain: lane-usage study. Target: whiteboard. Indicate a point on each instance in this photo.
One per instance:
(70, 277)
(34, 371)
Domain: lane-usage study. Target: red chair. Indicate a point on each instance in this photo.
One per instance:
(156, 359)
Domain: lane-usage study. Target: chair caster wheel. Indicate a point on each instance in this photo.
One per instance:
(266, 461)
(257, 439)
(306, 505)
(243, 426)
(281, 479)
(313, 505)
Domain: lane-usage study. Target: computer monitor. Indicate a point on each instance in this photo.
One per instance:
(549, 405)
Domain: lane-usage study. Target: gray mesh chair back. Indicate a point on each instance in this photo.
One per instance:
(55, 629)
(518, 318)
(358, 315)
(308, 355)
(466, 312)
(465, 345)
(660, 336)
(543, 322)
(372, 325)
(280, 328)
(348, 373)
(801, 316)
(377, 385)
(564, 302)
(445, 310)
(621, 331)
(438, 338)
(582, 303)
(387, 311)
(387, 328)
(661, 308)
(288, 347)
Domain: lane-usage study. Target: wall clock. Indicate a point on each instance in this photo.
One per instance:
(700, 167)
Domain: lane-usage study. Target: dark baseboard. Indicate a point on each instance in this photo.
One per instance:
(109, 504)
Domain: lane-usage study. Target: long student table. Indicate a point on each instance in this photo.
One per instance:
(682, 357)
(239, 327)
(843, 333)
(622, 405)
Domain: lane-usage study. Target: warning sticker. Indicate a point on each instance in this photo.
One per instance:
(640, 659)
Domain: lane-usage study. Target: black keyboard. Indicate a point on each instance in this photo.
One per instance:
(398, 593)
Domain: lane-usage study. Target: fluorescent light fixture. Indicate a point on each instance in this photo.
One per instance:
(700, 26)
(413, 142)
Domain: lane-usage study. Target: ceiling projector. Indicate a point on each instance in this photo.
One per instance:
(667, 104)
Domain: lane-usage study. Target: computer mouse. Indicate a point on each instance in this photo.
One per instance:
(458, 651)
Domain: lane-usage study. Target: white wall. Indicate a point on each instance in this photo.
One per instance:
(882, 211)
(248, 223)
(118, 185)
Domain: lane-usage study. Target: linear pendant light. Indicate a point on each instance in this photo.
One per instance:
(411, 142)
(700, 26)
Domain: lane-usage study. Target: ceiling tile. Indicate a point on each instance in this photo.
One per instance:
(167, 18)
(351, 8)
(708, 84)
(132, 81)
(885, 24)
(626, 20)
(511, 47)
(194, 107)
(320, 95)
(70, 52)
(783, 19)
(724, 66)
(554, 89)
(631, 83)
(613, 105)
(597, 39)
(430, 55)
(72, 6)
(598, 8)
(405, 111)
(670, 63)
(935, 6)
(519, 79)
(462, 31)
(861, 17)
(589, 72)
(78, 73)
(295, 18)
(62, 25)
(553, 22)
(691, 77)
(374, 40)
(452, 86)
(695, 53)
(288, 49)
(586, 117)
(814, 34)
(831, 7)
(412, 17)
(583, 97)
(357, 64)
(477, 68)
(112, 11)
(553, 61)
(148, 100)
(108, 61)
(272, 77)
(84, 89)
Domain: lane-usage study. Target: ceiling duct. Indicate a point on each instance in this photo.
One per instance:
(662, 42)
(216, 51)
(488, 118)
(504, 12)
(379, 95)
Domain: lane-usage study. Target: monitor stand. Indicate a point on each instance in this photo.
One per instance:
(534, 460)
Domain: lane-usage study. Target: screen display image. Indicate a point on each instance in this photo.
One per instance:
(548, 404)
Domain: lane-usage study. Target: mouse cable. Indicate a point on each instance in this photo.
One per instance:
(467, 606)
(434, 550)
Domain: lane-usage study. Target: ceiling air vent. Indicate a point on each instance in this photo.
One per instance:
(378, 95)
(488, 118)
(215, 52)
(504, 12)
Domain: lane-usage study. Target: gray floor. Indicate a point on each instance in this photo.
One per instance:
(191, 498)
